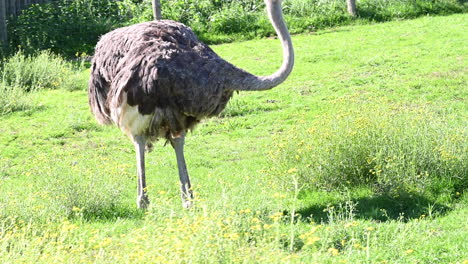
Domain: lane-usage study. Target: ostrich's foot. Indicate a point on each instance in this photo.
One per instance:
(187, 197)
(148, 147)
(142, 201)
(187, 204)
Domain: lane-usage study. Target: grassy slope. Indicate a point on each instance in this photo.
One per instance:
(57, 165)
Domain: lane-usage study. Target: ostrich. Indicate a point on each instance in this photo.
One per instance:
(157, 80)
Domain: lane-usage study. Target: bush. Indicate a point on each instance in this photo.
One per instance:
(383, 10)
(11, 99)
(30, 73)
(393, 150)
(66, 27)
(21, 74)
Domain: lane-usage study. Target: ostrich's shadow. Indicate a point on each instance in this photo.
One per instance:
(380, 208)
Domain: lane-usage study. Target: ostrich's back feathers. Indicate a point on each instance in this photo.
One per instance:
(163, 70)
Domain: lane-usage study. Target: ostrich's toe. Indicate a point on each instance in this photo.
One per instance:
(187, 204)
(148, 147)
(143, 201)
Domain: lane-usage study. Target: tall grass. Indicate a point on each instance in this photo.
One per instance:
(383, 10)
(11, 99)
(64, 26)
(30, 73)
(397, 150)
(21, 74)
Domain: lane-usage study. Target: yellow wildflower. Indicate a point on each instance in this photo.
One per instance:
(276, 216)
(255, 220)
(351, 224)
(67, 226)
(312, 240)
(333, 251)
(279, 195)
(256, 227)
(232, 236)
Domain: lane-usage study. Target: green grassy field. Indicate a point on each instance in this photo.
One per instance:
(359, 157)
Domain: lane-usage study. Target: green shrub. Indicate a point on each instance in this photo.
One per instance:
(66, 27)
(12, 99)
(216, 21)
(76, 81)
(384, 10)
(233, 19)
(30, 73)
(394, 150)
(21, 74)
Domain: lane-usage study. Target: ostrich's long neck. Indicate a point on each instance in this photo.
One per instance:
(258, 83)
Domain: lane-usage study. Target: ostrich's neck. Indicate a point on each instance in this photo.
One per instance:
(258, 83)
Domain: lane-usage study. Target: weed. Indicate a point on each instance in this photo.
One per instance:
(396, 149)
(22, 74)
(31, 73)
(12, 99)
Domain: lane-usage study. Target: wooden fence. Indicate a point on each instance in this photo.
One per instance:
(12, 8)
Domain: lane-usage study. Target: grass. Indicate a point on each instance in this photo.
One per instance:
(21, 74)
(396, 149)
(67, 185)
(12, 99)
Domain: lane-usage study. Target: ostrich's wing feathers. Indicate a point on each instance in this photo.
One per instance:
(162, 64)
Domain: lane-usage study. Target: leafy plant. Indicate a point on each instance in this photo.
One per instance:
(396, 150)
(21, 74)
(11, 99)
(68, 27)
(30, 73)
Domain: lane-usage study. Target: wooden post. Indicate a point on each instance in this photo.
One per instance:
(351, 7)
(157, 10)
(19, 6)
(3, 26)
(12, 7)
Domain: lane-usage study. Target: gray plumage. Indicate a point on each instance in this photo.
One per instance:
(156, 79)
(163, 67)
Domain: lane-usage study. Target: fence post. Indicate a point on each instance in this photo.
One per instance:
(3, 27)
(11, 7)
(156, 9)
(351, 7)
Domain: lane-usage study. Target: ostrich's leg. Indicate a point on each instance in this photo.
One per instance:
(185, 187)
(142, 197)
